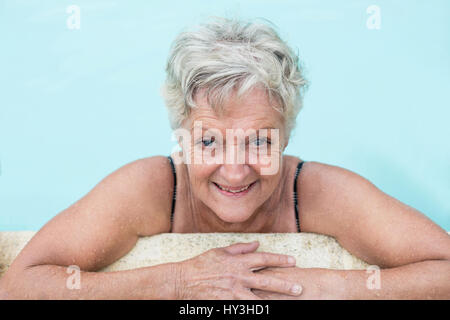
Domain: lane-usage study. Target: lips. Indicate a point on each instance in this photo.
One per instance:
(229, 190)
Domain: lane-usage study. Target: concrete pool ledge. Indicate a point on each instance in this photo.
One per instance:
(310, 250)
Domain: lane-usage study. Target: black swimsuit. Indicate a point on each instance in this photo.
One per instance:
(297, 171)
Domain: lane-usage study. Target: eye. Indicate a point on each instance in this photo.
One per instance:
(260, 141)
(208, 142)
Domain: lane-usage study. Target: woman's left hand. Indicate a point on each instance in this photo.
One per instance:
(316, 283)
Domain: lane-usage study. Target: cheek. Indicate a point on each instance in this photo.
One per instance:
(268, 184)
(269, 165)
(200, 174)
(269, 174)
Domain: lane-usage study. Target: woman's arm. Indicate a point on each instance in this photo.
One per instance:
(370, 224)
(94, 232)
(411, 251)
(420, 280)
(60, 282)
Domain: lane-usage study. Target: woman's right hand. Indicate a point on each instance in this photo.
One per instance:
(227, 273)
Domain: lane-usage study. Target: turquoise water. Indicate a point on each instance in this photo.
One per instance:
(76, 104)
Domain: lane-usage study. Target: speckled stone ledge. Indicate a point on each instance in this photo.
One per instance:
(11, 242)
(310, 250)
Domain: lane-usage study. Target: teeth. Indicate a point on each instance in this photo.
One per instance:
(233, 191)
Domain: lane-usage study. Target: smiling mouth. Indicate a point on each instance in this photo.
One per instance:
(234, 190)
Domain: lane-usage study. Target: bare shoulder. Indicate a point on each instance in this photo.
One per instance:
(366, 221)
(150, 183)
(142, 188)
(106, 223)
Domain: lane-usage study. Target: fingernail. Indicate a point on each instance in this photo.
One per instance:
(296, 289)
(291, 260)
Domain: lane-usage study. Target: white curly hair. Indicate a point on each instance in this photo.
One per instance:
(227, 54)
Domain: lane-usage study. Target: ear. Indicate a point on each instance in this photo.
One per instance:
(181, 151)
(180, 142)
(180, 135)
(285, 143)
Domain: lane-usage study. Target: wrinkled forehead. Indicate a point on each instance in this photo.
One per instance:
(252, 110)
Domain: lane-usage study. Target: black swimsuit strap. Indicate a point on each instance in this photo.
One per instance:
(174, 191)
(297, 171)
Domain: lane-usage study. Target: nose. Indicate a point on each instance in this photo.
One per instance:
(234, 175)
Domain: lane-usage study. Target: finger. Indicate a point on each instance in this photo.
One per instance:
(265, 259)
(238, 248)
(247, 295)
(267, 295)
(273, 284)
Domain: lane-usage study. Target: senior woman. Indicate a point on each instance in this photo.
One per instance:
(233, 92)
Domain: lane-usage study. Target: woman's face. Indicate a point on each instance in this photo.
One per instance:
(234, 164)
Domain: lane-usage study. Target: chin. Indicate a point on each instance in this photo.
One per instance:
(234, 217)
